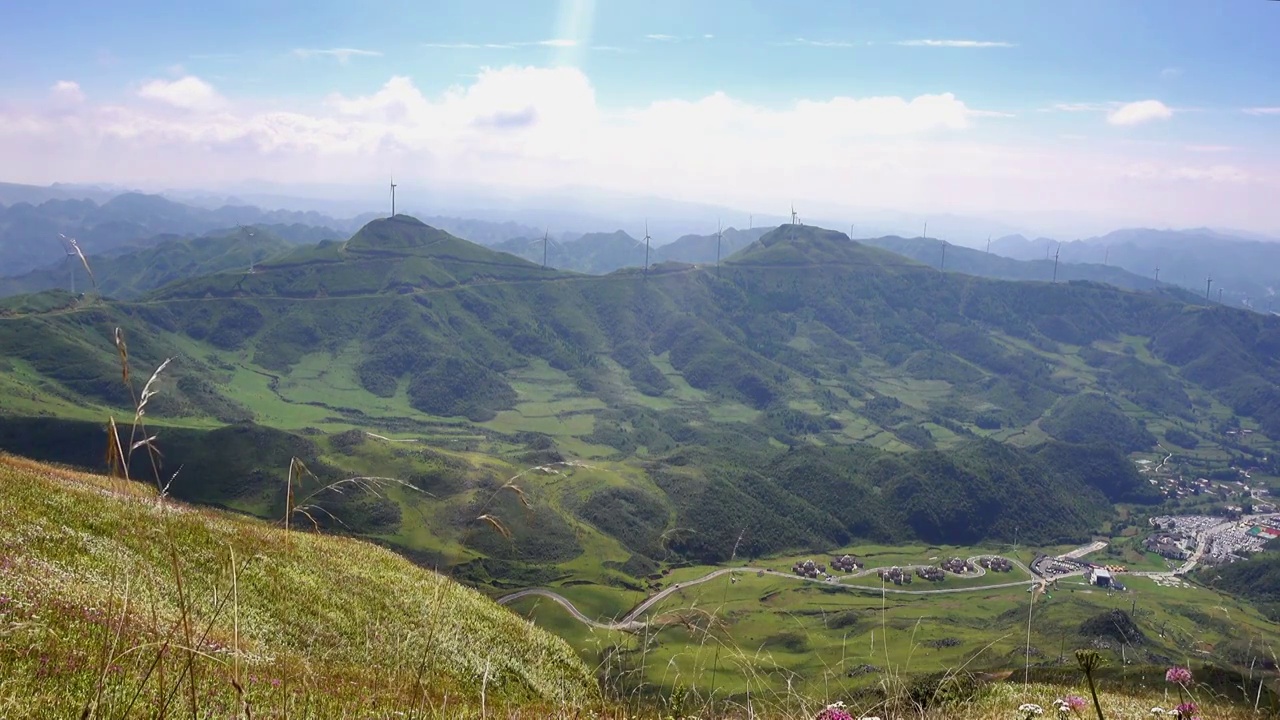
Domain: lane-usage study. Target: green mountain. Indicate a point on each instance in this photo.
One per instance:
(813, 392)
(130, 274)
(1246, 270)
(600, 253)
(976, 262)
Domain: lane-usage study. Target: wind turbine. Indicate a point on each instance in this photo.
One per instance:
(1157, 273)
(66, 246)
(393, 196)
(793, 213)
(546, 239)
(248, 233)
(73, 249)
(719, 236)
(926, 230)
(1207, 285)
(1056, 253)
(646, 249)
(988, 244)
(943, 265)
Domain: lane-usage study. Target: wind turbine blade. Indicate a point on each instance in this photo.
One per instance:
(83, 261)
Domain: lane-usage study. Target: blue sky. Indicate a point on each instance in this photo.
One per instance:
(1170, 108)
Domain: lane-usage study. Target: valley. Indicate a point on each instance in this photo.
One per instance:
(636, 460)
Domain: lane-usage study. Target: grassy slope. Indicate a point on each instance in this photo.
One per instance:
(321, 622)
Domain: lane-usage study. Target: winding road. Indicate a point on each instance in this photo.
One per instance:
(631, 623)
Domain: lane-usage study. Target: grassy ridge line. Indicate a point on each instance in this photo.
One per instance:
(87, 594)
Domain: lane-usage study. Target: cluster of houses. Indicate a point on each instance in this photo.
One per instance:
(809, 569)
(959, 566)
(895, 575)
(930, 573)
(995, 563)
(847, 563)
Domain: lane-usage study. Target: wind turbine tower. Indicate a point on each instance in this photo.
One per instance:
(646, 249)
(545, 236)
(1056, 253)
(247, 233)
(793, 213)
(393, 196)
(1208, 284)
(988, 244)
(1157, 273)
(67, 246)
(719, 235)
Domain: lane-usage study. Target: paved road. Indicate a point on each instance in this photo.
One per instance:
(631, 623)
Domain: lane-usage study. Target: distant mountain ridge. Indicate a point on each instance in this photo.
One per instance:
(1247, 271)
(29, 232)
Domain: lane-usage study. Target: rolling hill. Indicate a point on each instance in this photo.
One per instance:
(124, 222)
(129, 274)
(1245, 269)
(976, 262)
(815, 391)
(101, 578)
(600, 253)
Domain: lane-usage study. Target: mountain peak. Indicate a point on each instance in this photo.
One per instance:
(396, 233)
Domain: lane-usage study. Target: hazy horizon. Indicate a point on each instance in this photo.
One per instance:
(1061, 120)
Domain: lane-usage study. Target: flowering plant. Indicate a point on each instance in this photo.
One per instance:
(1026, 711)
(834, 711)
(1178, 675)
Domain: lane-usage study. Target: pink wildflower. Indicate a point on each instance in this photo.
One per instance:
(1178, 675)
(1075, 702)
(1186, 709)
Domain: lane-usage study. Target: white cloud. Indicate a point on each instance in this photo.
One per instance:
(67, 92)
(558, 42)
(521, 129)
(1170, 72)
(956, 43)
(1142, 111)
(470, 46)
(1263, 110)
(342, 55)
(660, 37)
(1081, 107)
(188, 93)
(820, 43)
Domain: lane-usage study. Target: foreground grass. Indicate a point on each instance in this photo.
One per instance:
(115, 604)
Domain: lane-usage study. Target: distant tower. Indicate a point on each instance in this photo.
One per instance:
(646, 248)
(943, 265)
(1219, 296)
(988, 244)
(719, 234)
(1207, 285)
(1055, 262)
(545, 235)
(393, 196)
(793, 214)
(926, 230)
(1157, 273)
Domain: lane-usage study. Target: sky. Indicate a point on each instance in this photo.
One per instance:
(1163, 114)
